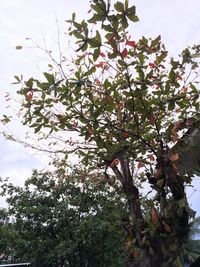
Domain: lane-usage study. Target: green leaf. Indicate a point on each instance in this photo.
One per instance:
(133, 18)
(124, 23)
(49, 77)
(96, 54)
(182, 203)
(119, 7)
(37, 129)
(18, 47)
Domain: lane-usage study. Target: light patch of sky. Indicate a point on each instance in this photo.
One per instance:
(176, 21)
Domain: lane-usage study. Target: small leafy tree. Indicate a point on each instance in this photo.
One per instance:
(62, 221)
(135, 113)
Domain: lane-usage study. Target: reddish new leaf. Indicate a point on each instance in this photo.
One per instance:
(114, 163)
(152, 120)
(124, 53)
(125, 135)
(174, 157)
(154, 216)
(100, 64)
(90, 131)
(131, 43)
(152, 65)
(151, 157)
(102, 54)
(140, 165)
(135, 253)
(111, 38)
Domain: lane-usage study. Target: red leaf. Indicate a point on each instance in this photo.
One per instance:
(102, 54)
(174, 157)
(185, 89)
(140, 165)
(174, 135)
(111, 38)
(131, 43)
(152, 65)
(119, 105)
(125, 135)
(154, 216)
(151, 157)
(90, 131)
(114, 163)
(152, 120)
(124, 53)
(97, 82)
(100, 64)
(74, 125)
(178, 125)
(135, 253)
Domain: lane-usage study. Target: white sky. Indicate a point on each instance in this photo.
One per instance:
(178, 22)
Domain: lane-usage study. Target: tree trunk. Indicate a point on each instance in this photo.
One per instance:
(161, 246)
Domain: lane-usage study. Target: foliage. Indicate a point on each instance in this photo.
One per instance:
(135, 112)
(61, 221)
(192, 247)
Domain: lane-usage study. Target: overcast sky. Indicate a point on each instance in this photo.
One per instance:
(177, 21)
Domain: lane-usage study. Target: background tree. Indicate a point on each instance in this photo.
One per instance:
(136, 113)
(64, 219)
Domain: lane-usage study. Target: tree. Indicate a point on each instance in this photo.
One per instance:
(61, 221)
(136, 114)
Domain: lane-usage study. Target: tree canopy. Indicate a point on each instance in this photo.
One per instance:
(61, 221)
(133, 112)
